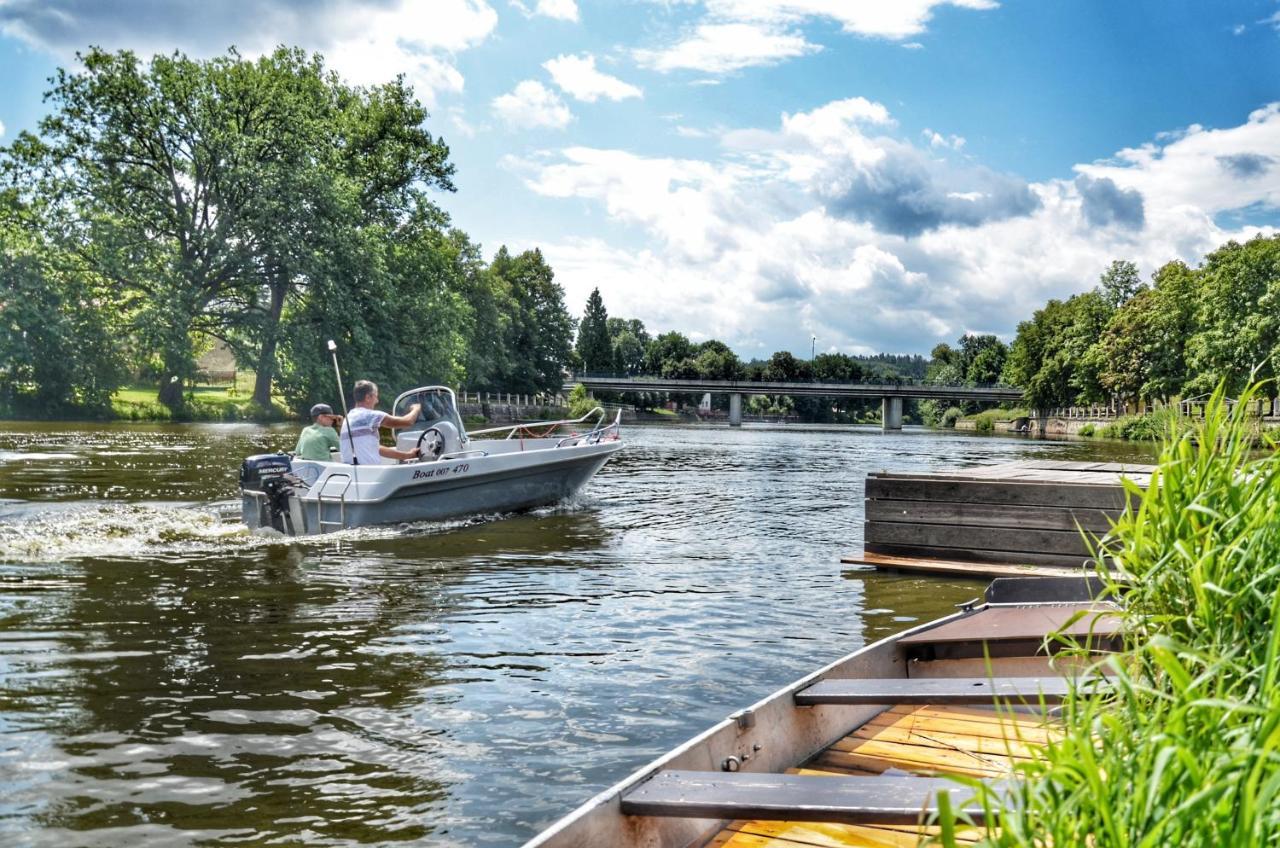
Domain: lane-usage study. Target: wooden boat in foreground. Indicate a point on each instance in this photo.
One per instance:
(855, 753)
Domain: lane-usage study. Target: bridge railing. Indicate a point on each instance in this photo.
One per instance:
(877, 381)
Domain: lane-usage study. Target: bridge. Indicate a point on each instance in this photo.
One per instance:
(890, 395)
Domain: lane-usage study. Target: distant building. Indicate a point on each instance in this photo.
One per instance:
(705, 405)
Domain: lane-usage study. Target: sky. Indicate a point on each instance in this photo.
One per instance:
(878, 175)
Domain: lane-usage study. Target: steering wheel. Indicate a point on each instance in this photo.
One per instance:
(430, 445)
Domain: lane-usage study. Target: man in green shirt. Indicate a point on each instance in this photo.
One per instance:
(316, 441)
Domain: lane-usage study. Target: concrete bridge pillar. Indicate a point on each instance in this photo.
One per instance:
(891, 413)
(735, 410)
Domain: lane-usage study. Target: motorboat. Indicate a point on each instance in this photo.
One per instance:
(857, 753)
(495, 470)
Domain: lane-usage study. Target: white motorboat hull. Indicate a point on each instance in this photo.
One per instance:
(459, 473)
(339, 496)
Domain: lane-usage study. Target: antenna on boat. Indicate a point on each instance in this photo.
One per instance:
(342, 396)
(333, 350)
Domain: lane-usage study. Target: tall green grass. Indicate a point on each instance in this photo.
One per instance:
(1185, 750)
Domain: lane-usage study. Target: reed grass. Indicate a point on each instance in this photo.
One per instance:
(1185, 749)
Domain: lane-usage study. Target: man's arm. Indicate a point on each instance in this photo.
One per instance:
(394, 453)
(403, 420)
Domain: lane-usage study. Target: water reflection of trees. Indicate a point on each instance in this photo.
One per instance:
(273, 693)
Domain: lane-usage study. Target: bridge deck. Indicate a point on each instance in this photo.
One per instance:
(861, 390)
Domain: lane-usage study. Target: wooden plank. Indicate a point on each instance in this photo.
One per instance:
(881, 758)
(990, 515)
(975, 555)
(929, 565)
(962, 690)
(929, 758)
(1064, 495)
(1016, 624)
(989, 725)
(822, 835)
(935, 536)
(1006, 746)
(785, 797)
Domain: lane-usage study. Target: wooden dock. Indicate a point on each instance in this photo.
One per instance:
(1013, 519)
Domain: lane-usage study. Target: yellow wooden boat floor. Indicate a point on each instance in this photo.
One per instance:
(927, 740)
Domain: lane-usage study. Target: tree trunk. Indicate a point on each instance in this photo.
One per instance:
(171, 386)
(172, 381)
(267, 355)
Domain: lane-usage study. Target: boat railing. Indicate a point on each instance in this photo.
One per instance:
(461, 454)
(597, 434)
(543, 429)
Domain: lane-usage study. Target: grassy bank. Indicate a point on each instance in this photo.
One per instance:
(985, 421)
(1185, 748)
(204, 403)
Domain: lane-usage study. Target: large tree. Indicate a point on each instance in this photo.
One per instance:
(210, 192)
(1239, 316)
(594, 346)
(540, 331)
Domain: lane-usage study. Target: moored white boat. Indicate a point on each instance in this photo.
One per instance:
(458, 474)
(855, 753)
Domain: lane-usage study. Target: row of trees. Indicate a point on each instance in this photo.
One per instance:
(1134, 342)
(166, 206)
(624, 346)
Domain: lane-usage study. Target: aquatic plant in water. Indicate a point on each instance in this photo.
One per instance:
(1185, 748)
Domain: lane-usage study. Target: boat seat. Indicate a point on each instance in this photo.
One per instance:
(1006, 631)
(791, 797)
(942, 690)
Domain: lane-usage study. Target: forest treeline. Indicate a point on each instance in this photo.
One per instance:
(624, 346)
(1179, 335)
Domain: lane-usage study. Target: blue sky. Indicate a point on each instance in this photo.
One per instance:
(883, 174)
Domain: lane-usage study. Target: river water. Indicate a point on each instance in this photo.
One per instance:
(169, 678)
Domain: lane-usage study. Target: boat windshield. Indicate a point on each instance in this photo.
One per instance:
(437, 405)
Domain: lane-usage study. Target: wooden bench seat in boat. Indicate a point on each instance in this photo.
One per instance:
(1005, 631)
(794, 797)
(942, 690)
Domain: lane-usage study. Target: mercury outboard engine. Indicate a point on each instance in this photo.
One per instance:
(266, 488)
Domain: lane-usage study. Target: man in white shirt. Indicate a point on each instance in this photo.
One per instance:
(359, 438)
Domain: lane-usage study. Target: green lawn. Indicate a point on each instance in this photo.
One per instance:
(208, 403)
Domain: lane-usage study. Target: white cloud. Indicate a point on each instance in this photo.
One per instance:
(1214, 170)
(367, 41)
(565, 10)
(893, 19)
(724, 47)
(750, 244)
(531, 104)
(736, 34)
(577, 76)
(1, 129)
(936, 139)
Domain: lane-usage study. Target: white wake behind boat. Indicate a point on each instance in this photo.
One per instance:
(502, 469)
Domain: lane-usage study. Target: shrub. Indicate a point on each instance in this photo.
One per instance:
(951, 416)
(579, 403)
(1086, 431)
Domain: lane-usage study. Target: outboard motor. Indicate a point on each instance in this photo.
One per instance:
(266, 488)
(256, 470)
